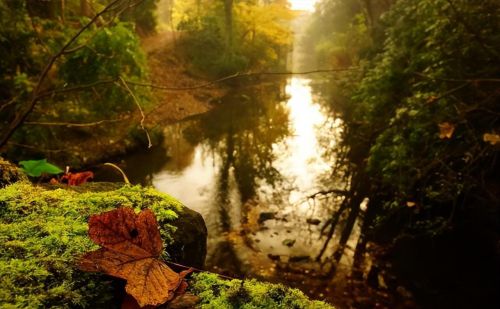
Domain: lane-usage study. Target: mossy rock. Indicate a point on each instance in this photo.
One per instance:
(218, 293)
(43, 230)
(9, 173)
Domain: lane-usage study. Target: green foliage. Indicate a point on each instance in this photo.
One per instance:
(431, 68)
(144, 16)
(218, 293)
(35, 168)
(338, 35)
(259, 36)
(107, 50)
(42, 233)
(110, 53)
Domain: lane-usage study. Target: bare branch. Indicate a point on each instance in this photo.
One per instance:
(8, 103)
(237, 75)
(77, 87)
(143, 116)
(70, 124)
(472, 80)
(328, 192)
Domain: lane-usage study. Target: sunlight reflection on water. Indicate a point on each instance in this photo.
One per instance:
(197, 177)
(303, 160)
(298, 159)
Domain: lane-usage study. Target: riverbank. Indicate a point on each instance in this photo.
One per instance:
(166, 69)
(90, 144)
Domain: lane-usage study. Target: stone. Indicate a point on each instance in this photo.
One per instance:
(264, 216)
(313, 221)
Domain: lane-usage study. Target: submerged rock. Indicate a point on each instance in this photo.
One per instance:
(313, 221)
(288, 242)
(264, 216)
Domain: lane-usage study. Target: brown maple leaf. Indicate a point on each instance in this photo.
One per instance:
(131, 246)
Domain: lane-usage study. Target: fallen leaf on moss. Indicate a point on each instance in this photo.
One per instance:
(131, 246)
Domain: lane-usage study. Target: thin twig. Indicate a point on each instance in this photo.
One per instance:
(85, 44)
(70, 124)
(199, 270)
(472, 80)
(39, 149)
(143, 116)
(237, 75)
(327, 192)
(77, 87)
(12, 101)
(447, 93)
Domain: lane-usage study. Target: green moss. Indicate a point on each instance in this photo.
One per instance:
(9, 173)
(43, 231)
(218, 293)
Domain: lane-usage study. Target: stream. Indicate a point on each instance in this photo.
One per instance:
(249, 166)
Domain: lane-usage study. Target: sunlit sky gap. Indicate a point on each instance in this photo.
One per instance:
(304, 5)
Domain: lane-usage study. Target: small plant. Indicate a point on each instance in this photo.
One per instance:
(36, 168)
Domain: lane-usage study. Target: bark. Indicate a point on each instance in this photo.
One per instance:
(85, 9)
(228, 14)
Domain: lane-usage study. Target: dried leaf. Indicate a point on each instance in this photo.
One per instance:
(431, 99)
(76, 179)
(411, 204)
(131, 248)
(446, 130)
(491, 138)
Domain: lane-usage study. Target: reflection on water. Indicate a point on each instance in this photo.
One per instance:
(248, 166)
(256, 152)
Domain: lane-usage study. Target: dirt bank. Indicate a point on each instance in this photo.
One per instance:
(169, 69)
(89, 145)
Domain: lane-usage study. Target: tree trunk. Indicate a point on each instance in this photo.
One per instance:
(85, 8)
(360, 250)
(228, 14)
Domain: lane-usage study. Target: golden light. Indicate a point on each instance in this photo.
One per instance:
(303, 5)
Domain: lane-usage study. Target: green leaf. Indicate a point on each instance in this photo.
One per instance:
(36, 168)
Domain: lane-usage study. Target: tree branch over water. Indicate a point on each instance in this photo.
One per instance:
(238, 75)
